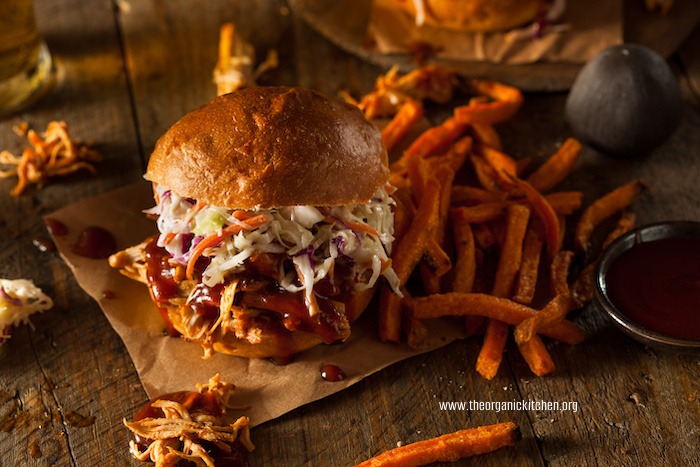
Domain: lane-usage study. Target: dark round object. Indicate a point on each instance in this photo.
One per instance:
(625, 101)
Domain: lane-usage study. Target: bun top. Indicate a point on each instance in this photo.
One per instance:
(268, 147)
(477, 15)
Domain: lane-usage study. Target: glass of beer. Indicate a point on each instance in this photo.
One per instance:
(25, 61)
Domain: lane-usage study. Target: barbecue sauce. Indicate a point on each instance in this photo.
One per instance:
(279, 312)
(55, 227)
(161, 282)
(657, 284)
(94, 242)
(332, 373)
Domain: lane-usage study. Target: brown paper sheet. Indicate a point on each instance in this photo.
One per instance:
(167, 364)
(595, 25)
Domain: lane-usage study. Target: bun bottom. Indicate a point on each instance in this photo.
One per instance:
(274, 341)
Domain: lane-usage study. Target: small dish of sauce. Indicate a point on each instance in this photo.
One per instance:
(648, 281)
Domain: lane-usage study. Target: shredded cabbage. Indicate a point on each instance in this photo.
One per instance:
(312, 237)
(18, 299)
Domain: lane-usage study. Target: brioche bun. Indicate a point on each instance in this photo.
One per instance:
(477, 15)
(268, 147)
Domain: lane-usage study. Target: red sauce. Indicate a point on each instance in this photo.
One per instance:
(94, 242)
(160, 282)
(55, 227)
(657, 284)
(279, 313)
(205, 300)
(108, 294)
(332, 373)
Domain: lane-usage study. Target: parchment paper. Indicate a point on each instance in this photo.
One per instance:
(165, 364)
(595, 25)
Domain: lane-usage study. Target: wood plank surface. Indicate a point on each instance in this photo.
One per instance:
(126, 71)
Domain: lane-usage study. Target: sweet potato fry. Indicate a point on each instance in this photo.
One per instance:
(485, 173)
(565, 202)
(418, 171)
(506, 102)
(486, 135)
(446, 175)
(537, 356)
(491, 353)
(559, 273)
(458, 152)
(557, 167)
(463, 195)
(483, 236)
(603, 208)
(545, 213)
(554, 312)
(390, 315)
(449, 447)
(624, 225)
(526, 282)
(413, 328)
(407, 116)
(511, 251)
(438, 139)
(503, 165)
(438, 263)
(502, 309)
(402, 219)
(435, 140)
(582, 289)
(465, 252)
(484, 212)
(436, 259)
(405, 256)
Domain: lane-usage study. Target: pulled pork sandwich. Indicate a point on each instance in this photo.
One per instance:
(478, 15)
(275, 222)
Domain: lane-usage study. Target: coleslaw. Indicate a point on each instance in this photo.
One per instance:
(313, 238)
(19, 299)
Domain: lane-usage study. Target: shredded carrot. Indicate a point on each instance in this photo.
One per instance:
(54, 155)
(362, 227)
(218, 237)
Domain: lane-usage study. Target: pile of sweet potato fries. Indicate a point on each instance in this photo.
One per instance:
(493, 250)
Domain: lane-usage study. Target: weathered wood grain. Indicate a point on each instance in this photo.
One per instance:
(73, 360)
(128, 70)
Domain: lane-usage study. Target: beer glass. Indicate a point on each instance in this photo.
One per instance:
(25, 61)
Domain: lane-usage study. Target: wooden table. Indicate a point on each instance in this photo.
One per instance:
(127, 71)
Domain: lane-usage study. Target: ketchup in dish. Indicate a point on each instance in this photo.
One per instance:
(657, 285)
